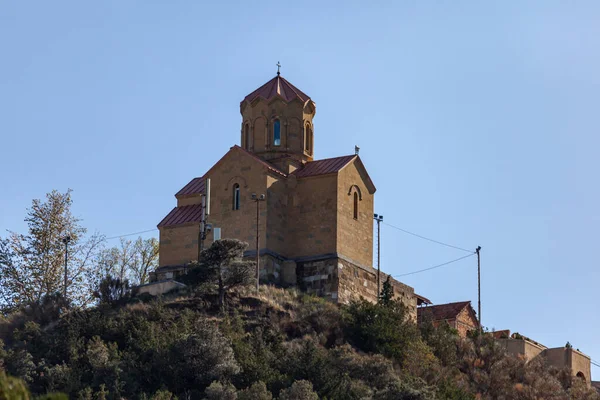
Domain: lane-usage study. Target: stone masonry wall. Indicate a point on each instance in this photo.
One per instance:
(342, 281)
(354, 236)
(178, 245)
(311, 216)
(464, 322)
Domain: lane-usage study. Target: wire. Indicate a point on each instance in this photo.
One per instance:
(130, 234)
(594, 363)
(426, 238)
(435, 266)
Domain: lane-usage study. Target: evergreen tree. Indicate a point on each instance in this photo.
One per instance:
(387, 292)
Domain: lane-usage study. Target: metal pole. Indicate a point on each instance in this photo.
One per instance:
(66, 241)
(257, 245)
(479, 285)
(202, 232)
(378, 256)
(378, 218)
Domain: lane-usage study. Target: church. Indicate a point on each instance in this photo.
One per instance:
(315, 217)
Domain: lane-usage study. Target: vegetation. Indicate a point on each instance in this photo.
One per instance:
(274, 344)
(220, 339)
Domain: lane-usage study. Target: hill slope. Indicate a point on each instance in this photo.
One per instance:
(278, 344)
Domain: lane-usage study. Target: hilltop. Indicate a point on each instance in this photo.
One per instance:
(274, 344)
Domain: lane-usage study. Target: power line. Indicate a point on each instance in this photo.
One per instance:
(426, 238)
(130, 234)
(595, 363)
(435, 266)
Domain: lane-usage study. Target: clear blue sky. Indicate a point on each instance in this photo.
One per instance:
(479, 125)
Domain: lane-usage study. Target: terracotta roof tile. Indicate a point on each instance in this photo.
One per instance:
(277, 86)
(182, 215)
(442, 312)
(322, 167)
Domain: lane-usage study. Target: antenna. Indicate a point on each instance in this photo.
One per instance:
(207, 190)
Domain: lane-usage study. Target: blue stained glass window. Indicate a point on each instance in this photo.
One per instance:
(277, 133)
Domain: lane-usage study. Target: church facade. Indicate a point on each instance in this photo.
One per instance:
(315, 225)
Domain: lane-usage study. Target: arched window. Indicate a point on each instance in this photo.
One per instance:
(581, 376)
(236, 197)
(355, 205)
(276, 133)
(307, 138)
(247, 136)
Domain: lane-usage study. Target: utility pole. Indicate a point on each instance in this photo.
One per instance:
(257, 199)
(477, 250)
(204, 213)
(66, 241)
(378, 218)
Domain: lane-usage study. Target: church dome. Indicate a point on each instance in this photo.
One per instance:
(277, 87)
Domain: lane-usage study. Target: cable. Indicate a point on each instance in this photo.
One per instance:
(435, 266)
(594, 363)
(426, 238)
(130, 234)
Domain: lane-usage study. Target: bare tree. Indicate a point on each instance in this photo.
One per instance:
(129, 260)
(32, 265)
(146, 259)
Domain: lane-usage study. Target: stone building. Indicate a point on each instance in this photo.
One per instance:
(315, 227)
(559, 357)
(459, 316)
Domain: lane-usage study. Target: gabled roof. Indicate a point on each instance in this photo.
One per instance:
(322, 167)
(196, 185)
(182, 215)
(277, 86)
(442, 312)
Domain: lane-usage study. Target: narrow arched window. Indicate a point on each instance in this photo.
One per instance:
(276, 133)
(307, 138)
(355, 205)
(236, 197)
(247, 137)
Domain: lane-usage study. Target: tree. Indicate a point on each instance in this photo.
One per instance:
(112, 290)
(300, 390)
(130, 260)
(12, 388)
(32, 265)
(378, 328)
(387, 292)
(224, 265)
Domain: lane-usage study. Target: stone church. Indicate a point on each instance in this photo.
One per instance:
(315, 224)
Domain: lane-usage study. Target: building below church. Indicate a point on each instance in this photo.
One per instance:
(315, 225)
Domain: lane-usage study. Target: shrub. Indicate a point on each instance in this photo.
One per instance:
(300, 390)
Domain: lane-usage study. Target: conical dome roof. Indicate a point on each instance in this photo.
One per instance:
(277, 86)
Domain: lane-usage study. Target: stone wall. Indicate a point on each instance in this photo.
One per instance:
(354, 236)
(522, 347)
(577, 362)
(178, 245)
(342, 281)
(465, 322)
(312, 222)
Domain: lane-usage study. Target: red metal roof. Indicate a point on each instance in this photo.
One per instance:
(443, 311)
(322, 167)
(195, 186)
(182, 215)
(277, 86)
